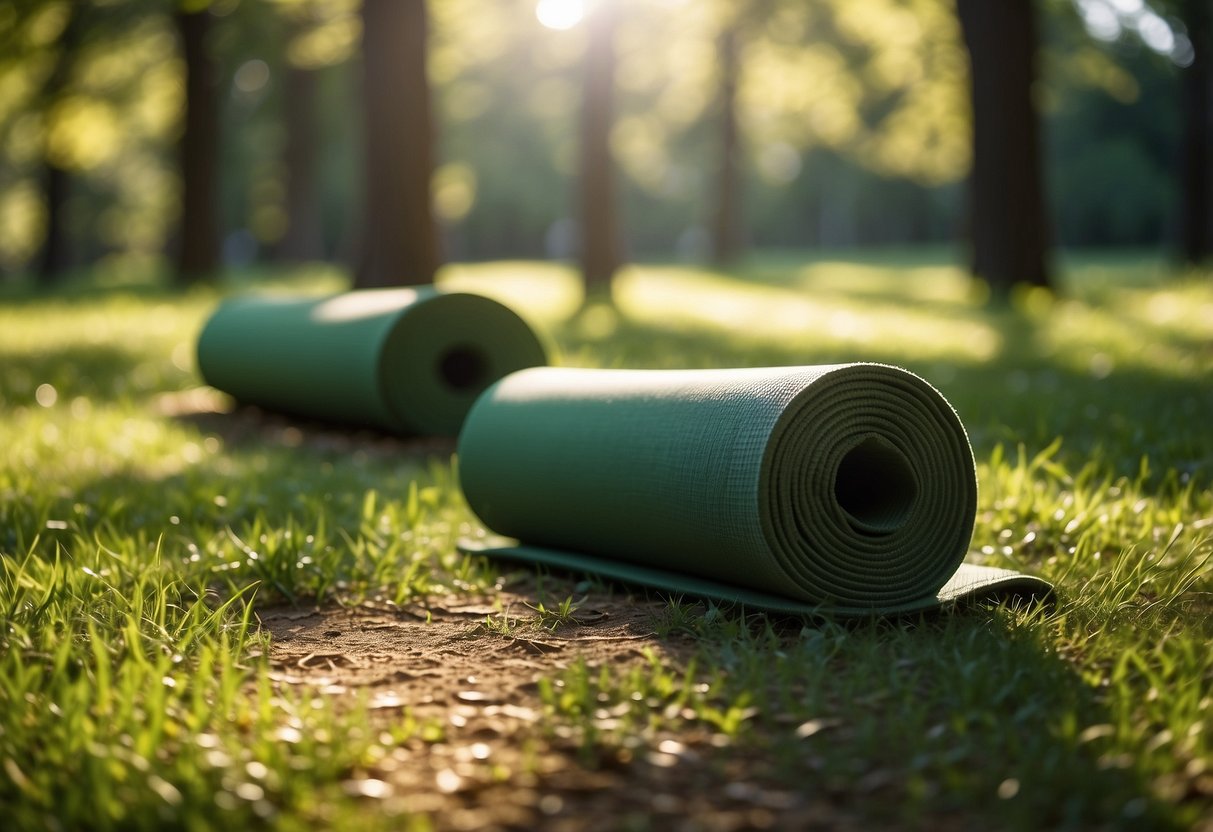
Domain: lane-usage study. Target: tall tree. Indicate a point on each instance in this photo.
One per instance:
(401, 237)
(1196, 147)
(1007, 220)
(198, 256)
(55, 254)
(303, 239)
(726, 223)
(600, 237)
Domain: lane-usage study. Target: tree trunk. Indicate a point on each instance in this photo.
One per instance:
(600, 243)
(198, 257)
(55, 254)
(54, 257)
(1008, 222)
(1196, 220)
(401, 237)
(726, 222)
(303, 240)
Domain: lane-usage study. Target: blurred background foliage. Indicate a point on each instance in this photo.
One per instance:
(853, 118)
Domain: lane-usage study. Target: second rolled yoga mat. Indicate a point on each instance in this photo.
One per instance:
(846, 489)
(409, 360)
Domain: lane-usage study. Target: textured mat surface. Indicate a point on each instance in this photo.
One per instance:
(408, 360)
(847, 489)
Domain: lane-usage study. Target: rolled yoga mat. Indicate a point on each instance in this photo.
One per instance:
(844, 490)
(408, 360)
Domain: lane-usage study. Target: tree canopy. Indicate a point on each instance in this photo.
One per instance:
(852, 124)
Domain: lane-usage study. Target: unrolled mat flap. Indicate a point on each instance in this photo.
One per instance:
(971, 583)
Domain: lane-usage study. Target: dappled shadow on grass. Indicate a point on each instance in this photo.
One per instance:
(943, 291)
(90, 286)
(85, 291)
(97, 372)
(305, 510)
(1034, 392)
(968, 717)
(246, 426)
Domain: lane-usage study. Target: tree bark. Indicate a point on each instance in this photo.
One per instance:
(726, 223)
(303, 240)
(1196, 181)
(1008, 222)
(198, 257)
(600, 239)
(54, 256)
(400, 244)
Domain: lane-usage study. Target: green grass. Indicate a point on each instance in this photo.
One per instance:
(136, 546)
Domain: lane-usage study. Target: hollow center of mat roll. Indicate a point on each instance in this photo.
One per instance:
(875, 486)
(463, 368)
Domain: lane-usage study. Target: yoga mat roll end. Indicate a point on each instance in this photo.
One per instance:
(409, 360)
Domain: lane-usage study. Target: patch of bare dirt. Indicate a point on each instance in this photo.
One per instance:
(496, 764)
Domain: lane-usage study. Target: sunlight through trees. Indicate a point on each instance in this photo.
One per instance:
(139, 145)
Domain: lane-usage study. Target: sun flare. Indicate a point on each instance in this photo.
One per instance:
(560, 14)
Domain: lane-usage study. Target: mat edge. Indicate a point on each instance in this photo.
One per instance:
(970, 583)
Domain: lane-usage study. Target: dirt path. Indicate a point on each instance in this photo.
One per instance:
(484, 758)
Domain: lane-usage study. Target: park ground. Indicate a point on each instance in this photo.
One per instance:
(219, 617)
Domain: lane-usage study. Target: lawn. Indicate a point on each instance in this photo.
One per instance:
(217, 617)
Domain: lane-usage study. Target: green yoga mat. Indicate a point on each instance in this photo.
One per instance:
(845, 490)
(408, 360)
